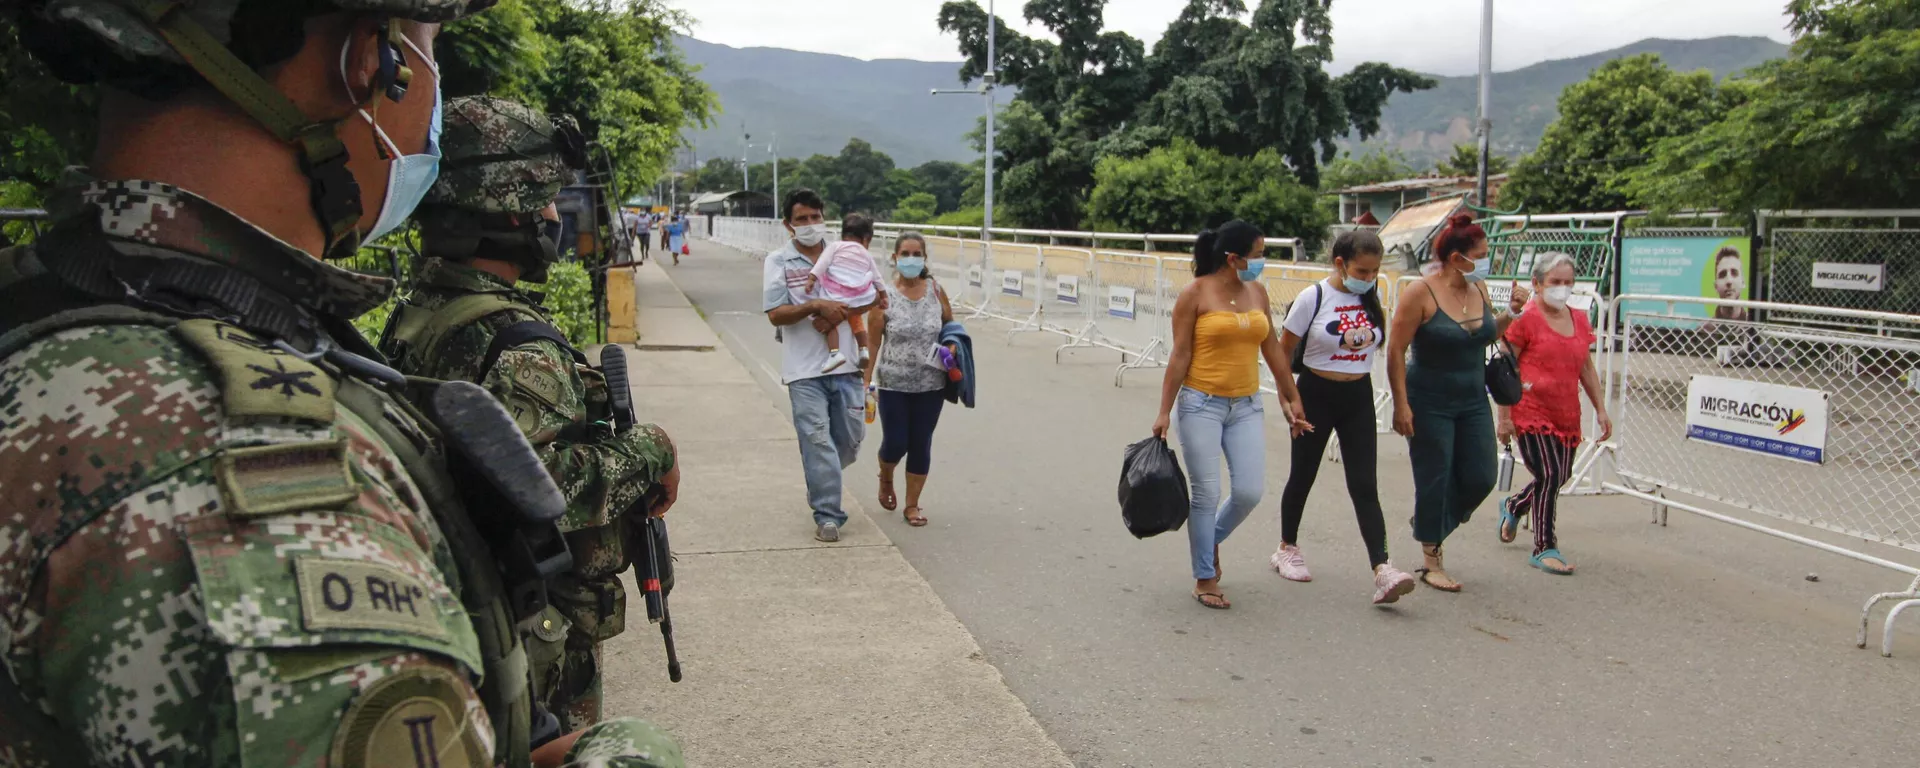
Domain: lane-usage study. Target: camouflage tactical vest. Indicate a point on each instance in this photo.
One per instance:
(411, 436)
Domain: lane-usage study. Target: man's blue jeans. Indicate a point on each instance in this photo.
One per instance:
(829, 415)
(1210, 426)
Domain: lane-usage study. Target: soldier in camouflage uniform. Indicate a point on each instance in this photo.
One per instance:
(226, 539)
(486, 224)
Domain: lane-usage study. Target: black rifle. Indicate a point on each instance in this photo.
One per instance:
(646, 543)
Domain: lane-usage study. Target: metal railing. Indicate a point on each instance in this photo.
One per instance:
(1815, 426)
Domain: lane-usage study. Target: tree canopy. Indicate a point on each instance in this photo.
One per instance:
(611, 64)
(1465, 161)
(1607, 126)
(1834, 125)
(1183, 187)
(1236, 88)
(1371, 168)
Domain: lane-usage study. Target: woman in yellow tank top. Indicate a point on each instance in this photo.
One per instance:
(1221, 329)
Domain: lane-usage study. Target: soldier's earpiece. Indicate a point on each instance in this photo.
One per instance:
(394, 75)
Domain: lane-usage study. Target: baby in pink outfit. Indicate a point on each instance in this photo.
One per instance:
(845, 273)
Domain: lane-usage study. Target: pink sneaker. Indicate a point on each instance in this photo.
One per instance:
(1290, 564)
(1389, 583)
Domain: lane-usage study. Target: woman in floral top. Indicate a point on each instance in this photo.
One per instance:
(911, 370)
(1552, 342)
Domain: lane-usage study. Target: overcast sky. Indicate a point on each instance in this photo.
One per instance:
(1438, 36)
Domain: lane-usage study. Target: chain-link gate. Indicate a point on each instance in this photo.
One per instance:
(1868, 260)
(1819, 426)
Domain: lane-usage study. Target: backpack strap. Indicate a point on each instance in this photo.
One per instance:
(504, 689)
(413, 333)
(1300, 350)
(525, 331)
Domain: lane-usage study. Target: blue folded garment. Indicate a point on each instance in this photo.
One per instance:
(960, 391)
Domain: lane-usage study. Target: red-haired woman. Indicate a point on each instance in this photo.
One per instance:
(1440, 401)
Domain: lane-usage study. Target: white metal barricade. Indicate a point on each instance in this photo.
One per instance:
(1068, 288)
(1811, 425)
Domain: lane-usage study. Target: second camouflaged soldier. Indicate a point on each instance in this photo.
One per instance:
(487, 224)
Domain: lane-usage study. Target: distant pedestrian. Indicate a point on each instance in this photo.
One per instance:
(677, 233)
(828, 408)
(1341, 324)
(642, 229)
(1440, 401)
(664, 221)
(1551, 341)
(1222, 327)
(910, 370)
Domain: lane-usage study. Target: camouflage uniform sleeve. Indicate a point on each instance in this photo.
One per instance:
(167, 599)
(600, 478)
(625, 743)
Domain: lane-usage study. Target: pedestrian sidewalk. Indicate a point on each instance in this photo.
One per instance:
(795, 652)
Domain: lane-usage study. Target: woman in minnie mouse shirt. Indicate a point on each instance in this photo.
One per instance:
(1336, 326)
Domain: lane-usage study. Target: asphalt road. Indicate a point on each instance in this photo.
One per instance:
(1697, 644)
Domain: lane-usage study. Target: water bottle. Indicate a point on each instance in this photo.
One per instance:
(873, 403)
(1506, 467)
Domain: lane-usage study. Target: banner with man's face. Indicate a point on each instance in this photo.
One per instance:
(1707, 267)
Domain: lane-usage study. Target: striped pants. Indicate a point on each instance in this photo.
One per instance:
(1549, 459)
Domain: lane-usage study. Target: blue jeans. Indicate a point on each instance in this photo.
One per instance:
(1210, 426)
(829, 415)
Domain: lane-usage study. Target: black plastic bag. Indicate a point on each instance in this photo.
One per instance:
(1153, 490)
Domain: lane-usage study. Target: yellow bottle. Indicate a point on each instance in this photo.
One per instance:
(873, 403)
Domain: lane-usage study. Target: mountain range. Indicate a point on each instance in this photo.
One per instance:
(815, 102)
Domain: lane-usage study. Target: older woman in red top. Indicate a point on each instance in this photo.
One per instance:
(1551, 341)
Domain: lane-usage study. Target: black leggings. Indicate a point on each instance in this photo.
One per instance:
(907, 420)
(1345, 408)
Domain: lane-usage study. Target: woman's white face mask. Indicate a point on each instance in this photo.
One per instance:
(1557, 296)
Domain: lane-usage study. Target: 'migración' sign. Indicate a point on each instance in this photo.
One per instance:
(1770, 419)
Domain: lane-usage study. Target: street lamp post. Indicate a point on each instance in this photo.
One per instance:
(987, 81)
(1485, 127)
(773, 149)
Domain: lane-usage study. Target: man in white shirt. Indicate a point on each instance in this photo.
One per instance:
(638, 226)
(829, 409)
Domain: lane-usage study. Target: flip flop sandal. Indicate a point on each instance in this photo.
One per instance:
(888, 501)
(1201, 597)
(1509, 522)
(1540, 561)
(913, 519)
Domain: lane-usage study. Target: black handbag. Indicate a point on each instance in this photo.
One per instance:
(1503, 376)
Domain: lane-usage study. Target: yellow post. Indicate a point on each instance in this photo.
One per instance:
(622, 316)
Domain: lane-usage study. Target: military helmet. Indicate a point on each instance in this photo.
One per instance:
(500, 156)
(156, 48)
(501, 162)
(72, 35)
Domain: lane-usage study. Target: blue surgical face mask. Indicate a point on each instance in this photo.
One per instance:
(408, 176)
(911, 267)
(1356, 285)
(1254, 267)
(1481, 268)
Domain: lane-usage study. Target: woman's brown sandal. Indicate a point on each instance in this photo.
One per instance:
(888, 501)
(913, 519)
